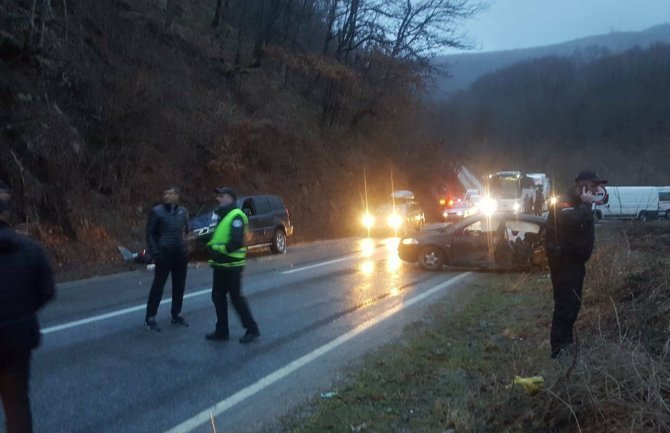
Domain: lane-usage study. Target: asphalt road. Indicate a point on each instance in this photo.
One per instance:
(319, 308)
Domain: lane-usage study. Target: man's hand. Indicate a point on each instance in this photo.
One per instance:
(587, 196)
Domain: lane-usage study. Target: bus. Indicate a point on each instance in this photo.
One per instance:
(515, 191)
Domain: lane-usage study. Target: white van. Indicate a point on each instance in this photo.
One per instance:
(639, 202)
(664, 201)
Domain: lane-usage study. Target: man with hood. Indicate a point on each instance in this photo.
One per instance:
(26, 285)
(166, 229)
(227, 257)
(569, 241)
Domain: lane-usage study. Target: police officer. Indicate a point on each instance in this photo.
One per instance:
(227, 258)
(166, 229)
(569, 243)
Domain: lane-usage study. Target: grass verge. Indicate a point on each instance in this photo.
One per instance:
(454, 372)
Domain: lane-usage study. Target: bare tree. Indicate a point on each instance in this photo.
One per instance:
(222, 8)
(415, 29)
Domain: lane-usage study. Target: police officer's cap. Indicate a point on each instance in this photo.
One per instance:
(589, 175)
(226, 190)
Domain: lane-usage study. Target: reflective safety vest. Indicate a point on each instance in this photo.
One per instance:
(221, 257)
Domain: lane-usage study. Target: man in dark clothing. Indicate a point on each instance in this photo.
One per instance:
(227, 258)
(538, 204)
(166, 229)
(26, 285)
(569, 243)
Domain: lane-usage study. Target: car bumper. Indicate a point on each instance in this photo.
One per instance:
(408, 253)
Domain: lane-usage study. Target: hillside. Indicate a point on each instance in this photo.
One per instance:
(560, 115)
(106, 103)
(465, 69)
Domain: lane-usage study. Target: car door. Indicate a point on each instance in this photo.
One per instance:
(473, 246)
(517, 242)
(255, 233)
(263, 219)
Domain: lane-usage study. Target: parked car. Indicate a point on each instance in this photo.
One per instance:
(502, 241)
(269, 223)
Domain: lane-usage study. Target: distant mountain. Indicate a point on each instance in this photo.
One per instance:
(464, 69)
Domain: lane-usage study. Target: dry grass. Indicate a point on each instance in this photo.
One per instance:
(453, 371)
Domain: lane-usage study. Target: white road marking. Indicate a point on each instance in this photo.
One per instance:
(227, 403)
(141, 307)
(116, 313)
(318, 265)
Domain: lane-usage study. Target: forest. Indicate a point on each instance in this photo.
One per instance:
(104, 104)
(609, 112)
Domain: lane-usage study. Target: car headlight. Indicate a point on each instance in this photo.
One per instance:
(488, 206)
(445, 214)
(516, 207)
(553, 201)
(368, 221)
(409, 241)
(394, 221)
(459, 213)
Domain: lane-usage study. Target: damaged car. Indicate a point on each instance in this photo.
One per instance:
(499, 241)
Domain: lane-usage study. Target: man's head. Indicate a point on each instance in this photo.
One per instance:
(225, 195)
(4, 192)
(171, 195)
(589, 181)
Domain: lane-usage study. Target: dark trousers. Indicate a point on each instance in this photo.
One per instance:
(14, 375)
(229, 281)
(567, 280)
(175, 264)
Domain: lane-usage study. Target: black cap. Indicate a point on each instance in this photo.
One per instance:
(226, 190)
(3, 186)
(589, 175)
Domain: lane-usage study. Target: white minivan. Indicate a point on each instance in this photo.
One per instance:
(629, 202)
(664, 201)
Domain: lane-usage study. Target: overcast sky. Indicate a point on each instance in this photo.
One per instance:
(509, 24)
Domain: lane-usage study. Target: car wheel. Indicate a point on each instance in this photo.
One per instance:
(431, 258)
(642, 216)
(278, 245)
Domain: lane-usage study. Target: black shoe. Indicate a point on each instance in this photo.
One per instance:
(216, 336)
(179, 320)
(152, 325)
(249, 337)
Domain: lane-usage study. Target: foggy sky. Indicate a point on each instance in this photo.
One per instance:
(509, 24)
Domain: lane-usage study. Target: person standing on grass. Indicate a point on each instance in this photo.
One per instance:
(228, 255)
(26, 285)
(166, 229)
(569, 241)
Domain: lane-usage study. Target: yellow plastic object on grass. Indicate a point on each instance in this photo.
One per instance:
(532, 385)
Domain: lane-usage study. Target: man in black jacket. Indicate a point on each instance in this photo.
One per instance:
(569, 243)
(26, 284)
(166, 229)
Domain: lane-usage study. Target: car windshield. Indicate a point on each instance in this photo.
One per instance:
(388, 208)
